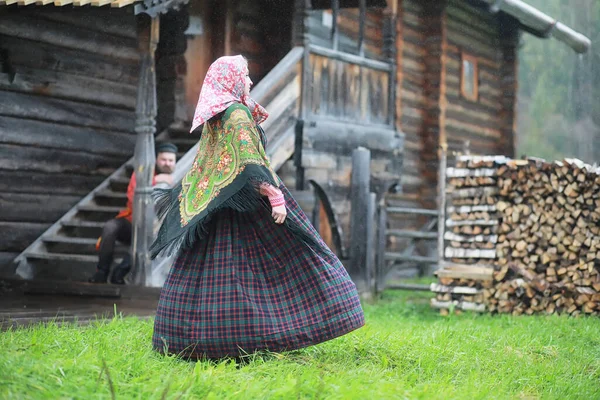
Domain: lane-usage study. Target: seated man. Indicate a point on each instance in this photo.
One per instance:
(120, 228)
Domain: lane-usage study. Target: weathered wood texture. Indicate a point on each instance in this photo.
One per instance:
(432, 37)
(67, 98)
(319, 32)
(347, 91)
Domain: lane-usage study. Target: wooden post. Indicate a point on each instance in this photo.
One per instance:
(442, 202)
(335, 35)
(359, 197)
(362, 4)
(381, 244)
(145, 127)
(370, 244)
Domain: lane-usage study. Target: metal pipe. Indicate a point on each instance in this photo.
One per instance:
(542, 23)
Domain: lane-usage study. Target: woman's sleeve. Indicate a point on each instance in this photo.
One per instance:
(274, 194)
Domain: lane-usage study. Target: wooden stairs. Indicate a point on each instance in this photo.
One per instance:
(67, 250)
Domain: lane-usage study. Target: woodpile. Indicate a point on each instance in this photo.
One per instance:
(542, 238)
(470, 236)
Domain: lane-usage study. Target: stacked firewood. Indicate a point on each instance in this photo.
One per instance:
(549, 239)
(470, 235)
(545, 235)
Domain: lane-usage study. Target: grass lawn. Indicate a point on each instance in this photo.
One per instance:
(406, 350)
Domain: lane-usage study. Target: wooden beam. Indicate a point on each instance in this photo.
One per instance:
(121, 3)
(80, 3)
(60, 3)
(398, 15)
(335, 34)
(100, 3)
(26, 2)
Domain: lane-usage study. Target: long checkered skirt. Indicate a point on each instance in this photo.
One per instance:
(251, 285)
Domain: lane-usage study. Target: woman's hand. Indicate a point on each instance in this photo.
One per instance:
(279, 213)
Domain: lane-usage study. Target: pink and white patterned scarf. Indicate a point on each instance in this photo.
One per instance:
(223, 86)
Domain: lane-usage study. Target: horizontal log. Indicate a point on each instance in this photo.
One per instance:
(343, 137)
(471, 209)
(415, 211)
(436, 288)
(451, 252)
(468, 172)
(20, 181)
(37, 208)
(475, 192)
(7, 267)
(58, 34)
(459, 305)
(24, 132)
(462, 271)
(470, 239)
(72, 87)
(26, 106)
(26, 158)
(116, 22)
(35, 55)
(411, 234)
(16, 236)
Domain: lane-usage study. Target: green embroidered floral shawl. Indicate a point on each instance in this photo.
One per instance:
(230, 163)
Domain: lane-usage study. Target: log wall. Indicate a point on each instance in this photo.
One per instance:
(432, 37)
(67, 99)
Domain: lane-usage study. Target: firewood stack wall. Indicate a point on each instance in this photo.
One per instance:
(545, 244)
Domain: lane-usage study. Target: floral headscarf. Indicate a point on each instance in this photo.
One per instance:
(223, 86)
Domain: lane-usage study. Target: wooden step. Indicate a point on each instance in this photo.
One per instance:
(97, 213)
(77, 245)
(62, 266)
(120, 184)
(84, 229)
(111, 198)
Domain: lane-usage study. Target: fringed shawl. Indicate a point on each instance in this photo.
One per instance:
(230, 165)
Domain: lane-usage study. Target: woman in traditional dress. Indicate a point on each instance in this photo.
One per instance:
(251, 273)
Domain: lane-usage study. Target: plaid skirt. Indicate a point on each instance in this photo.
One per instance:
(252, 285)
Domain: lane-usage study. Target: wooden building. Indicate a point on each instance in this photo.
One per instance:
(401, 78)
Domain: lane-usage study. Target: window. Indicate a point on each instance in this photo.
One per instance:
(469, 79)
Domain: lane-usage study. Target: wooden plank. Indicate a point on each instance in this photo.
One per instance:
(437, 288)
(451, 252)
(470, 239)
(459, 305)
(48, 135)
(46, 57)
(38, 208)
(16, 236)
(71, 87)
(26, 106)
(415, 211)
(26, 158)
(412, 234)
(54, 33)
(471, 209)
(469, 172)
(38, 182)
(477, 222)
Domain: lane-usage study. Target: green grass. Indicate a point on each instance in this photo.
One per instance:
(406, 350)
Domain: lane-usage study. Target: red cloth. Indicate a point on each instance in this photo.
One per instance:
(223, 86)
(127, 212)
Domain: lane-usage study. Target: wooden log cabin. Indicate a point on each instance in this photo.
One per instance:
(401, 78)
